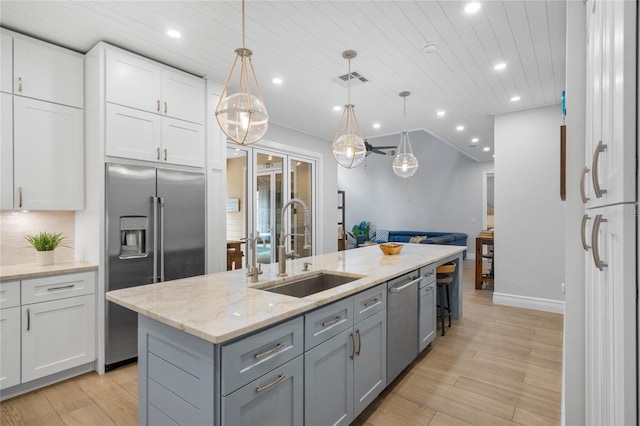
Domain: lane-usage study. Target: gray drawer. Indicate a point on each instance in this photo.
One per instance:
(9, 294)
(369, 302)
(56, 287)
(326, 322)
(249, 358)
(429, 274)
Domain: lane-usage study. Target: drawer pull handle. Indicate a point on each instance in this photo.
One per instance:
(333, 321)
(270, 351)
(409, 284)
(585, 218)
(595, 244)
(353, 346)
(62, 287)
(371, 302)
(280, 378)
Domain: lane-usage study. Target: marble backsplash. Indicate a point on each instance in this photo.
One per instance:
(15, 250)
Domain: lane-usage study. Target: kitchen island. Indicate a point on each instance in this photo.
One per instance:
(209, 345)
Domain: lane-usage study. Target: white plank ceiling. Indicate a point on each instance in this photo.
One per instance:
(302, 43)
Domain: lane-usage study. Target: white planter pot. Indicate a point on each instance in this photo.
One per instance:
(44, 258)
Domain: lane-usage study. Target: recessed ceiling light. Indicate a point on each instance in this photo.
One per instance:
(460, 128)
(472, 7)
(500, 66)
(515, 98)
(474, 140)
(486, 148)
(277, 80)
(376, 125)
(174, 34)
(440, 113)
(337, 108)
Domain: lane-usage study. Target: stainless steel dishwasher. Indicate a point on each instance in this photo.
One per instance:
(402, 323)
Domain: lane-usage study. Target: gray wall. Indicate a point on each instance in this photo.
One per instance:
(445, 194)
(529, 219)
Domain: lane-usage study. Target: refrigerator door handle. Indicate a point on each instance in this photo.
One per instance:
(154, 202)
(161, 203)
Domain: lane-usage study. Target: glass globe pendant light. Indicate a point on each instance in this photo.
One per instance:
(348, 146)
(242, 116)
(405, 164)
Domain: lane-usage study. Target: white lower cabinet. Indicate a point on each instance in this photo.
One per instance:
(57, 335)
(9, 347)
(47, 325)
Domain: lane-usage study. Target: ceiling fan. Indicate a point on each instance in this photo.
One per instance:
(382, 150)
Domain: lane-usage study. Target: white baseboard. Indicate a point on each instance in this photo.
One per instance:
(547, 305)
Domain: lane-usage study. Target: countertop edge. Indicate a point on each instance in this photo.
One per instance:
(31, 270)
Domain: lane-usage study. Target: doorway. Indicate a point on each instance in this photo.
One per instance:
(488, 205)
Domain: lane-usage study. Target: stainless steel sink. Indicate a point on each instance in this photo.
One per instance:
(311, 285)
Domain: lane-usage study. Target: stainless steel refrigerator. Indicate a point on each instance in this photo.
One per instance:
(155, 221)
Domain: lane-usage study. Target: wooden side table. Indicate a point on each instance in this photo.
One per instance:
(234, 255)
(480, 278)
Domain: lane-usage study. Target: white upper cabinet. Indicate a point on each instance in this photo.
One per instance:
(6, 151)
(610, 170)
(6, 62)
(139, 83)
(133, 81)
(182, 143)
(49, 73)
(48, 156)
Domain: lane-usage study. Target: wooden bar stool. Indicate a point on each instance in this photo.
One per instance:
(444, 277)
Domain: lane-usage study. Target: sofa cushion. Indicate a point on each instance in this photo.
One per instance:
(444, 239)
(417, 239)
(382, 236)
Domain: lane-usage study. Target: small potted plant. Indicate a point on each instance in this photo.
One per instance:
(360, 232)
(44, 243)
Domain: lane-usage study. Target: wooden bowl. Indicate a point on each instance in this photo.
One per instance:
(391, 248)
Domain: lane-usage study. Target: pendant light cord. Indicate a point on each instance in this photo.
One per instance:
(404, 115)
(243, 46)
(349, 84)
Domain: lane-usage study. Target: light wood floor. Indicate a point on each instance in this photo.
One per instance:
(496, 366)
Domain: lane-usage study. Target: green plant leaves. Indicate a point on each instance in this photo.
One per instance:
(44, 241)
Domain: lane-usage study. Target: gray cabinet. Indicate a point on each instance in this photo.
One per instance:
(274, 399)
(328, 387)
(347, 372)
(427, 308)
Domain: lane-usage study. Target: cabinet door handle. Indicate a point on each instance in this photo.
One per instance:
(585, 218)
(20, 196)
(158, 108)
(594, 170)
(595, 250)
(399, 289)
(62, 287)
(28, 319)
(583, 195)
(333, 321)
(165, 154)
(370, 302)
(270, 351)
(353, 346)
(20, 84)
(165, 107)
(359, 343)
(280, 378)
(157, 153)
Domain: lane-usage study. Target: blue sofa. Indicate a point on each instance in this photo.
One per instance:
(446, 238)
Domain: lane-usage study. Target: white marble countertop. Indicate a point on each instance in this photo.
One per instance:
(222, 306)
(31, 270)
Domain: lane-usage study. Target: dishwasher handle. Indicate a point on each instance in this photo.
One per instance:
(409, 284)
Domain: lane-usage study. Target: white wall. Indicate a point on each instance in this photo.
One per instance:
(285, 139)
(573, 395)
(445, 194)
(529, 217)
